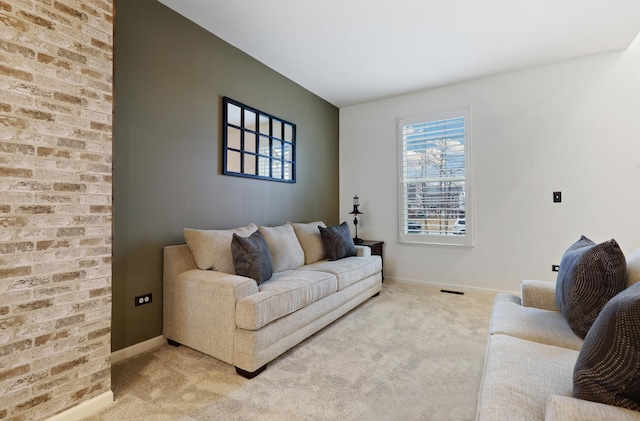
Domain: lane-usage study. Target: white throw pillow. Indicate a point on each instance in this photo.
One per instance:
(633, 268)
(211, 249)
(310, 240)
(285, 248)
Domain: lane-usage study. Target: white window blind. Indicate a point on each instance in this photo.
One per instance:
(434, 179)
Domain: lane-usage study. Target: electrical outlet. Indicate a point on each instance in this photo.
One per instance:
(555, 268)
(143, 299)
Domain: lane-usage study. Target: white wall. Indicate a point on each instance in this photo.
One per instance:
(572, 127)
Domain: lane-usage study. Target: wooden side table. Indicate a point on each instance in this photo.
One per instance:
(376, 250)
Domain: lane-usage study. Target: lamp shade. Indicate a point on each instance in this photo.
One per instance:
(356, 203)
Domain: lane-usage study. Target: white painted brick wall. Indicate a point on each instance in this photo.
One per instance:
(56, 59)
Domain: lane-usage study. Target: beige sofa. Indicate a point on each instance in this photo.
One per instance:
(532, 351)
(232, 318)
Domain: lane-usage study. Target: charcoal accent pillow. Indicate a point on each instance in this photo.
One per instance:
(608, 367)
(590, 275)
(337, 241)
(251, 257)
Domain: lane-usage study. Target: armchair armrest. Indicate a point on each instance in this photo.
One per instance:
(565, 408)
(539, 294)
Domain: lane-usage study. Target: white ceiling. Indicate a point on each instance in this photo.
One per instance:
(354, 51)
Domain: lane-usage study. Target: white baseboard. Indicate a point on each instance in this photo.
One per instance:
(85, 408)
(139, 348)
(449, 287)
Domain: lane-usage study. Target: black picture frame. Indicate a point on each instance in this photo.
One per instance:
(257, 144)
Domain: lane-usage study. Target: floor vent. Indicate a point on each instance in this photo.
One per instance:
(452, 292)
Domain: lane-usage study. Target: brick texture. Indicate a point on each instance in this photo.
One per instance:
(56, 61)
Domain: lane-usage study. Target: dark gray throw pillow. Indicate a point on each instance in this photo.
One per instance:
(608, 366)
(251, 256)
(337, 241)
(590, 275)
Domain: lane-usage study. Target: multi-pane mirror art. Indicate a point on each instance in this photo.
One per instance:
(257, 144)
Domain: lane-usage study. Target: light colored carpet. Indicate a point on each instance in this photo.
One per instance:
(412, 353)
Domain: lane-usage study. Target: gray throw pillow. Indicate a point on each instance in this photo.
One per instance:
(608, 366)
(337, 241)
(251, 257)
(590, 275)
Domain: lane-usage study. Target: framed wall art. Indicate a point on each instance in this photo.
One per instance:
(257, 144)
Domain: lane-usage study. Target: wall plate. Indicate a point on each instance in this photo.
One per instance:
(144, 299)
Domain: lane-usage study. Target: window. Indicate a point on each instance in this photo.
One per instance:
(435, 191)
(257, 145)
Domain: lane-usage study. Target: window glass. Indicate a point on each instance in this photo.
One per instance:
(435, 178)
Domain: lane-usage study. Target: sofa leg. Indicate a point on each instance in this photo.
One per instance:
(172, 342)
(376, 294)
(250, 374)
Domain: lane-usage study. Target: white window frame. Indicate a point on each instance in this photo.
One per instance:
(466, 240)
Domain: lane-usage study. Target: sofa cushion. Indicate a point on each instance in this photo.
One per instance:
(520, 375)
(633, 268)
(590, 275)
(548, 327)
(251, 256)
(310, 240)
(285, 248)
(564, 408)
(211, 249)
(348, 270)
(337, 241)
(284, 293)
(608, 367)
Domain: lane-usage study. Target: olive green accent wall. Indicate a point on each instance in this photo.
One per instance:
(170, 77)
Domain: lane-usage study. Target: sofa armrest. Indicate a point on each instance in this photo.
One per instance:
(564, 408)
(363, 251)
(539, 294)
(200, 310)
